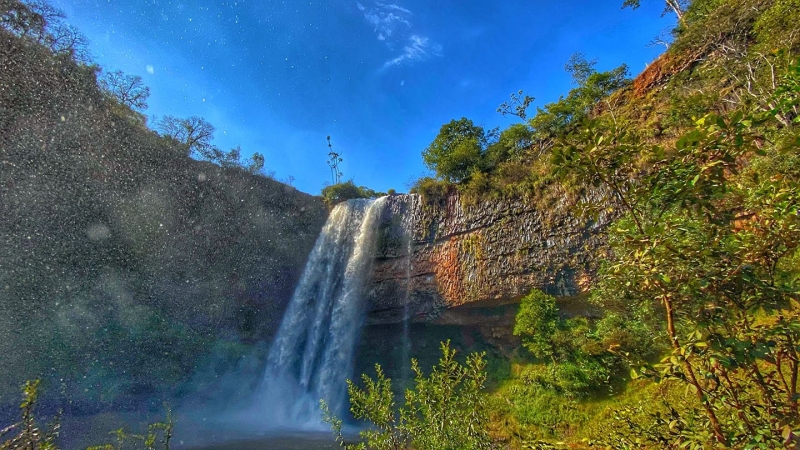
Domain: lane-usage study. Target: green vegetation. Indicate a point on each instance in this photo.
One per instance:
(337, 193)
(27, 435)
(511, 163)
(578, 356)
(445, 410)
(457, 151)
(696, 345)
(342, 191)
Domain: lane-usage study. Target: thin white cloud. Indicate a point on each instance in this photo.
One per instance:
(386, 19)
(417, 49)
(392, 26)
(394, 7)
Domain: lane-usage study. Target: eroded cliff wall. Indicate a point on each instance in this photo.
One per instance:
(439, 255)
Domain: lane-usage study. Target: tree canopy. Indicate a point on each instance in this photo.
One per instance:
(457, 150)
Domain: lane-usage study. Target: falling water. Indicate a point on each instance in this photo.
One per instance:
(312, 354)
(408, 231)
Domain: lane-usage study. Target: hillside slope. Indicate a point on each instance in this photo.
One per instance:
(123, 262)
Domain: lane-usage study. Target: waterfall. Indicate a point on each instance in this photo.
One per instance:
(312, 354)
(408, 225)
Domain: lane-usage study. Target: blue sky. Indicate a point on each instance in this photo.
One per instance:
(380, 78)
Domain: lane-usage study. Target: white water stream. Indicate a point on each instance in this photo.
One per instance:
(312, 354)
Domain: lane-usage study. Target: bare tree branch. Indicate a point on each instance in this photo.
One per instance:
(126, 89)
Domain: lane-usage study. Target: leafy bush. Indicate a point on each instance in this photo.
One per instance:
(431, 189)
(709, 242)
(537, 321)
(578, 355)
(337, 193)
(444, 411)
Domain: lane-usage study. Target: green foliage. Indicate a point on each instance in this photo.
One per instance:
(29, 436)
(510, 145)
(431, 189)
(445, 410)
(559, 117)
(537, 321)
(337, 193)
(578, 355)
(776, 27)
(499, 164)
(540, 412)
(476, 187)
(457, 150)
(710, 239)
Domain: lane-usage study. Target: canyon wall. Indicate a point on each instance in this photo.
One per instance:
(438, 255)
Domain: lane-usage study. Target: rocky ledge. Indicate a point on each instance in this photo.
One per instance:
(435, 256)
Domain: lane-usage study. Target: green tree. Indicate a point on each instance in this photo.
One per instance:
(560, 117)
(445, 410)
(457, 150)
(711, 234)
(511, 144)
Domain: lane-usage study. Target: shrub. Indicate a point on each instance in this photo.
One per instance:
(337, 193)
(445, 410)
(431, 189)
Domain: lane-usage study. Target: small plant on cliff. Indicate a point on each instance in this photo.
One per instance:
(337, 193)
(445, 411)
(333, 162)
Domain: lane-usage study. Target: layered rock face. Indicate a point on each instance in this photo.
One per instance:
(436, 256)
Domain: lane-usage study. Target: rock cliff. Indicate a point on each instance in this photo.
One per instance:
(434, 256)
